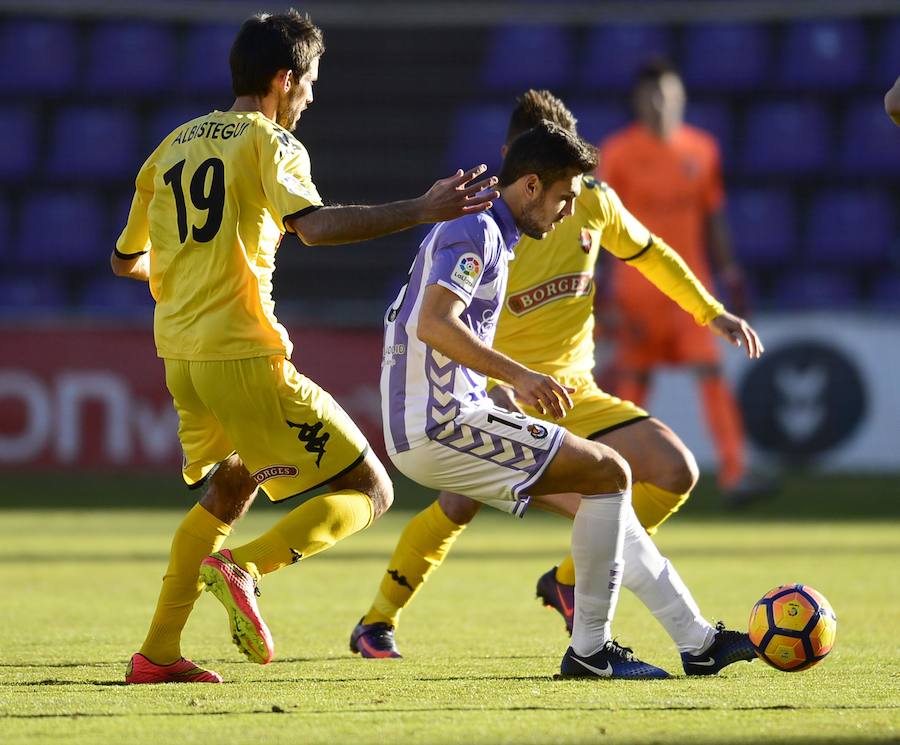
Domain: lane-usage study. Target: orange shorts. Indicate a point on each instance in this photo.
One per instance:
(645, 341)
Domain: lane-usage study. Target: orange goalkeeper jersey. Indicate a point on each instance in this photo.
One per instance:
(671, 187)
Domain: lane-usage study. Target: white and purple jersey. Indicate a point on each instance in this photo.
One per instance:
(421, 389)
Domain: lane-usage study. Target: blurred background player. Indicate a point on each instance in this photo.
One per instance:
(669, 175)
(212, 204)
(547, 323)
(892, 102)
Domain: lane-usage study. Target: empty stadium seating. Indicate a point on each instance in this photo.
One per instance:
(822, 54)
(19, 145)
(849, 228)
(614, 52)
(137, 58)
(725, 56)
(38, 56)
(786, 137)
(94, 142)
(532, 56)
(763, 225)
(812, 164)
(63, 228)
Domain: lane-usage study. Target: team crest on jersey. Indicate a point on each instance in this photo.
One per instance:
(274, 472)
(537, 431)
(467, 271)
(586, 240)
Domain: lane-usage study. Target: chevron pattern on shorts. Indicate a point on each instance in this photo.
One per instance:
(487, 446)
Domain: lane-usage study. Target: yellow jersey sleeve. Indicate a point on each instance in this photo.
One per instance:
(286, 175)
(627, 239)
(135, 237)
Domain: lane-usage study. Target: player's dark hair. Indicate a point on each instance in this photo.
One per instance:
(533, 106)
(269, 43)
(549, 151)
(653, 70)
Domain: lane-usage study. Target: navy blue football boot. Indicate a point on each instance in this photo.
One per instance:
(374, 640)
(558, 596)
(727, 647)
(612, 661)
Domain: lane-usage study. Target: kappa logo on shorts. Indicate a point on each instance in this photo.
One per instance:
(315, 443)
(274, 472)
(537, 431)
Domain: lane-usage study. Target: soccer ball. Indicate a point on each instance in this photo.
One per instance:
(792, 627)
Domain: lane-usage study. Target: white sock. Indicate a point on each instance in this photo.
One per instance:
(650, 576)
(597, 540)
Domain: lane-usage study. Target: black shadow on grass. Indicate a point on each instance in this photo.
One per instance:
(462, 709)
(879, 549)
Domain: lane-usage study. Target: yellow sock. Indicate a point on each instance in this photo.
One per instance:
(565, 572)
(200, 533)
(652, 505)
(424, 543)
(312, 527)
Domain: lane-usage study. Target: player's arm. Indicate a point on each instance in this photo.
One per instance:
(440, 328)
(628, 240)
(892, 102)
(131, 257)
(133, 267)
(447, 199)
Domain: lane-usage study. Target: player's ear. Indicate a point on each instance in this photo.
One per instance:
(284, 80)
(532, 185)
(504, 149)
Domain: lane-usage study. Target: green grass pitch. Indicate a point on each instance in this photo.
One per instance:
(79, 586)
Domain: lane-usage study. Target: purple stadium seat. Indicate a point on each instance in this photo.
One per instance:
(716, 119)
(112, 296)
(888, 68)
(477, 136)
(785, 138)
(131, 58)
(63, 228)
(37, 56)
(870, 140)
(615, 51)
(886, 293)
(822, 54)
(849, 228)
(806, 290)
(6, 241)
(764, 225)
(530, 56)
(19, 144)
(725, 56)
(165, 120)
(26, 294)
(206, 68)
(94, 142)
(597, 121)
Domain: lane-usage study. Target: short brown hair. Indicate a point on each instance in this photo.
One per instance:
(269, 43)
(533, 106)
(550, 152)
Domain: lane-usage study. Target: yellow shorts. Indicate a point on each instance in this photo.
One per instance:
(595, 412)
(291, 435)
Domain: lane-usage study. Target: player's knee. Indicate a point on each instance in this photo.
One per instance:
(370, 478)
(612, 470)
(458, 508)
(679, 472)
(230, 491)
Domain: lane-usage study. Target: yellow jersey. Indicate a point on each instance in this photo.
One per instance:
(547, 319)
(210, 205)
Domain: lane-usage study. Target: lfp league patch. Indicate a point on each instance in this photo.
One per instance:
(467, 271)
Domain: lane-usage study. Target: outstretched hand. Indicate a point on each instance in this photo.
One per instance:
(738, 332)
(456, 196)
